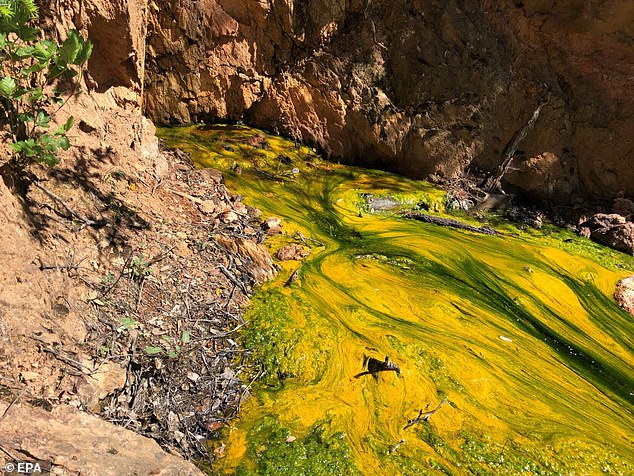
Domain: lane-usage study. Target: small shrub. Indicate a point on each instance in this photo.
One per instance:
(30, 68)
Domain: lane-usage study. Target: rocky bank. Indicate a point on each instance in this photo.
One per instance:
(428, 89)
(432, 89)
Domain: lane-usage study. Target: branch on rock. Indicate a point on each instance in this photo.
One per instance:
(493, 183)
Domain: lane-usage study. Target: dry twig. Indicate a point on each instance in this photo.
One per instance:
(424, 416)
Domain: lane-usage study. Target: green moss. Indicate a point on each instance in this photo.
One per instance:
(315, 454)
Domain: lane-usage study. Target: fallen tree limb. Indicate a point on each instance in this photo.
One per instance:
(450, 223)
(83, 219)
(494, 183)
(424, 416)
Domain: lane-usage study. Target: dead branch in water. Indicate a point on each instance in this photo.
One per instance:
(450, 223)
(424, 416)
(396, 446)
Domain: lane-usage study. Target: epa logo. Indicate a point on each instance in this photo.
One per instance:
(23, 467)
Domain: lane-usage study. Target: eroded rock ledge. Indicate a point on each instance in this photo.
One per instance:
(423, 88)
(76, 443)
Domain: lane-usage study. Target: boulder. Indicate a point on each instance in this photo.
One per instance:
(618, 237)
(603, 220)
(67, 441)
(612, 230)
(624, 294)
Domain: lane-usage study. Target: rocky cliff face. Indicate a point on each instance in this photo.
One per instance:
(117, 28)
(423, 88)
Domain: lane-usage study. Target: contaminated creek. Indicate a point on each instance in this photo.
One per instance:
(516, 333)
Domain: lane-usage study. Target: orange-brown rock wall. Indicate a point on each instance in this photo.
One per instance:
(420, 87)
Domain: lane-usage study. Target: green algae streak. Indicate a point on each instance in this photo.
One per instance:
(518, 331)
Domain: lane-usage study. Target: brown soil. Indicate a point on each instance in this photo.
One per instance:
(123, 282)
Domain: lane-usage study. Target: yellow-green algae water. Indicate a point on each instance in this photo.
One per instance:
(519, 331)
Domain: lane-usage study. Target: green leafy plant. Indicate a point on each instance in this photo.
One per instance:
(140, 268)
(127, 323)
(172, 349)
(31, 67)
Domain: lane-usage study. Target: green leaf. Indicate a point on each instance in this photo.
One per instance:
(151, 350)
(26, 33)
(42, 119)
(69, 50)
(44, 50)
(8, 87)
(36, 94)
(34, 68)
(24, 52)
(64, 143)
(84, 53)
(186, 337)
(172, 354)
(127, 322)
(55, 71)
(67, 125)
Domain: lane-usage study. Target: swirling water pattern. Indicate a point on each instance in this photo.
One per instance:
(518, 331)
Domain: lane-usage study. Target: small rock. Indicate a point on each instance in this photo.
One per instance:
(290, 252)
(624, 294)
(272, 226)
(214, 425)
(240, 207)
(181, 236)
(229, 217)
(290, 439)
(207, 207)
(193, 376)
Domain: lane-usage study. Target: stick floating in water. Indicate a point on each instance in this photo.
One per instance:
(424, 416)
